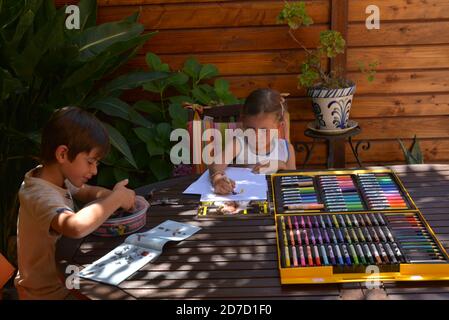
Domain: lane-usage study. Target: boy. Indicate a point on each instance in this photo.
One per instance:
(73, 141)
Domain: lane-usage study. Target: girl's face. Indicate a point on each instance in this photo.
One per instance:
(265, 121)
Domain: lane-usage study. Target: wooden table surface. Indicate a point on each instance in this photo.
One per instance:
(233, 258)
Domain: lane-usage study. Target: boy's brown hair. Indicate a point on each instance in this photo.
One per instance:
(75, 128)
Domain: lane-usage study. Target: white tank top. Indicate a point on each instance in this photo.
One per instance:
(279, 151)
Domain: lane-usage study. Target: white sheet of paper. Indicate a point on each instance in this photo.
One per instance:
(254, 186)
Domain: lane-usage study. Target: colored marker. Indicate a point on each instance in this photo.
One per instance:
(376, 254)
(368, 253)
(324, 255)
(360, 252)
(353, 254)
(286, 251)
(346, 255)
(339, 256)
(331, 255)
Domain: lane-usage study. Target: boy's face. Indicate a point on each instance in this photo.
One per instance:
(82, 168)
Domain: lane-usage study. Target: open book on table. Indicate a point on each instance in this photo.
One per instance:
(137, 250)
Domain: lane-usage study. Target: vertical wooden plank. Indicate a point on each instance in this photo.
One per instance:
(339, 22)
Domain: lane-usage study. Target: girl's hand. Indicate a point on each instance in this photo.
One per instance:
(269, 166)
(223, 185)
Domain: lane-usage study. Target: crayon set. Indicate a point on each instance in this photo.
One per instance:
(339, 191)
(352, 226)
(347, 241)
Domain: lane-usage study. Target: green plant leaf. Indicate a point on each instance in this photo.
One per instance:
(155, 63)
(120, 174)
(95, 40)
(221, 88)
(207, 71)
(105, 177)
(160, 168)
(144, 134)
(87, 71)
(295, 15)
(192, 68)
(25, 22)
(88, 13)
(154, 148)
(133, 80)
(163, 130)
(416, 151)
(136, 118)
(147, 106)
(112, 106)
(119, 142)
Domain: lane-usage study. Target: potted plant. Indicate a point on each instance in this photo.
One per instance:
(330, 92)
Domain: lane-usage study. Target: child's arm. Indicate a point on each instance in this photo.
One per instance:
(291, 162)
(221, 183)
(80, 224)
(89, 193)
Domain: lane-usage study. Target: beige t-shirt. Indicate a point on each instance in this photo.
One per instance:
(40, 202)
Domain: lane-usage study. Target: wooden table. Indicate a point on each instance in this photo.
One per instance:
(237, 258)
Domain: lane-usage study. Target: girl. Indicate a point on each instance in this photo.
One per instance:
(263, 109)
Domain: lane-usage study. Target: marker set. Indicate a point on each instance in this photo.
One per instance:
(339, 191)
(381, 192)
(352, 226)
(299, 193)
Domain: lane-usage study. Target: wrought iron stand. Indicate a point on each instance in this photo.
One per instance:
(335, 147)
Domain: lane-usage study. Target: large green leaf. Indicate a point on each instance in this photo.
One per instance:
(122, 51)
(11, 10)
(154, 148)
(120, 174)
(25, 22)
(144, 134)
(132, 80)
(88, 13)
(96, 39)
(119, 142)
(112, 106)
(221, 87)
(87, 71)
(115, 107)
(49, 35)
(192, 68)
(155, 63)
(207, 71)
(161, 168)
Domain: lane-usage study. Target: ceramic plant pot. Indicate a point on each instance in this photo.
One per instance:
(331, 107)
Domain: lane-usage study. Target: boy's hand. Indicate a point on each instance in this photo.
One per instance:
(127, 197)
(223, 185)
(269, 166)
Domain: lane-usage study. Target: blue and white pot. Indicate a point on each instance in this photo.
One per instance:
(331, 106)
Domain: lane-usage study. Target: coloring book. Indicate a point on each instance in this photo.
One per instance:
(137, 250)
